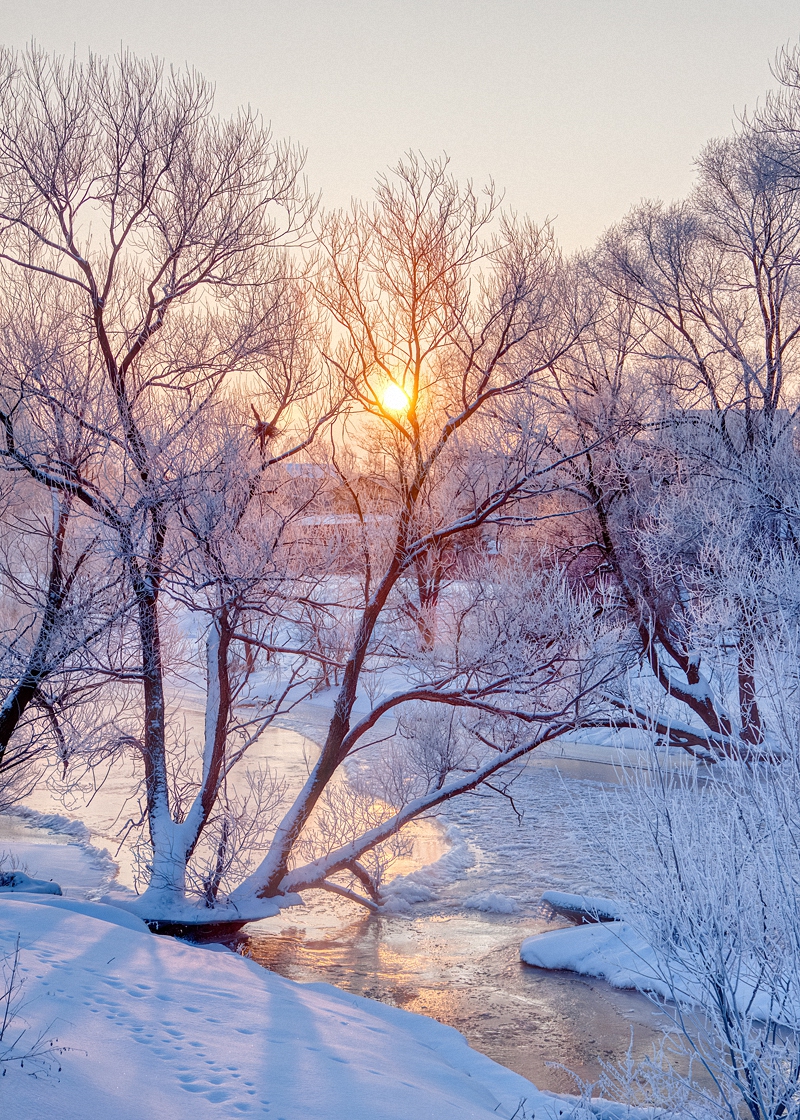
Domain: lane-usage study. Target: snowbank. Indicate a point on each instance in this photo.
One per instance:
(162, 1028)
(195, 914)
(111, 914)
(615, 952)
(19, 881)
(611, 951)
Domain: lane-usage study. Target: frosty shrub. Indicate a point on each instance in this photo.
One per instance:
(706, 867)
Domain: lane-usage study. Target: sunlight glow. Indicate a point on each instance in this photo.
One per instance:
(394, 399)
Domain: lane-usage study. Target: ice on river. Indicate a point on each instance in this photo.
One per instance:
(500, 864)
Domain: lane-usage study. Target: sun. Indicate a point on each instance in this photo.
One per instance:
(394, 399)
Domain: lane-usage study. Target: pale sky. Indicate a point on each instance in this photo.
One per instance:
(577, 108)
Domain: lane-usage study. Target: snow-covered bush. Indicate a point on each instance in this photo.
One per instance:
(706, 870)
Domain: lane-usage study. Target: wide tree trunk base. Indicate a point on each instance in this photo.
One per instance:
(192, 920)
(197, 931)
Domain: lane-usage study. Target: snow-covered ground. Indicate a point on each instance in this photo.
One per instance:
(82, 988)
(493, 869)
(156, 1027)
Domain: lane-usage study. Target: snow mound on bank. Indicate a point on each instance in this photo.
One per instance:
(615, 952)
(590, 907)
(14, 881)
(111, 914)
(611, 951)
(162, 1028)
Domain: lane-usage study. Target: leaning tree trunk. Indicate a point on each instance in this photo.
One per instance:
(38, 666)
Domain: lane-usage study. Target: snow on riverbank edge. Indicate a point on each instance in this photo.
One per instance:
(74, 832)
(611, 951)
(160, 1027)
(615, 952)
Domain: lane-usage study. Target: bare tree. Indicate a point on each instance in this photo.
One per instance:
(441, 332)
(689, 385)
(62, 594)
(160, 235)
(273, 549)
(157, 228)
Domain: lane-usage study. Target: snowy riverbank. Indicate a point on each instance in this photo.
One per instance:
(157, 1027)
(51, 846)
(447, 946)
(615, 952)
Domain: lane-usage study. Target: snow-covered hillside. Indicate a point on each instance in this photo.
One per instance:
(159, 1028)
